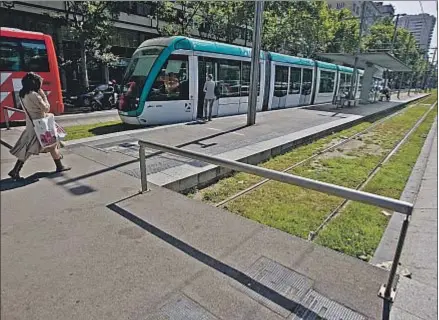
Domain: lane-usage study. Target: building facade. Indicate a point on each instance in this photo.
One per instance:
(133, 27)
(371, 11)
(386, 10)
(421, 26)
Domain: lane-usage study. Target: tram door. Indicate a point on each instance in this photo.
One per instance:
(205, 66)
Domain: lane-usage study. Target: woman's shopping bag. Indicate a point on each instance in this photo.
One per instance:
(60, 132)
(45, 129)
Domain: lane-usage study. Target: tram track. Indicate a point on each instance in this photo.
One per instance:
(397, 146)
(315, 155)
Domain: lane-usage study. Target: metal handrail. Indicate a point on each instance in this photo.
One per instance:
(5, 112)
(399, 206)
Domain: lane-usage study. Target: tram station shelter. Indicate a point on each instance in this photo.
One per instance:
(370, 63)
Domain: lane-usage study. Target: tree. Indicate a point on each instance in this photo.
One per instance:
(346, 35)
(307, 27)
(181, 17)
(90, 23)
(222, 20)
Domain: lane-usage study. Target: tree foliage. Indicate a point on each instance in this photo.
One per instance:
(90, 23)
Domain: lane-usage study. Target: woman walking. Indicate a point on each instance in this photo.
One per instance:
(37, 107)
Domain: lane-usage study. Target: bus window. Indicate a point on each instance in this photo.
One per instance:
(35, 56)
(23, 55)
(9, 55)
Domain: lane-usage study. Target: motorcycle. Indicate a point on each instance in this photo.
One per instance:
(103, 97)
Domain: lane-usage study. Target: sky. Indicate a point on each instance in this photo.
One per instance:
(414, 7)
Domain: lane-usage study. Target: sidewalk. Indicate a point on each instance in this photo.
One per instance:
(90, 248)
(275, 132)
(85, 245)
(417, 298)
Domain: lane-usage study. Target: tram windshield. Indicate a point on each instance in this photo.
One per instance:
(136, 74)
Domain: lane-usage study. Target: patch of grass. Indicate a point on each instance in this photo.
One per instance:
(358, 229)
(298, 211)
(91, 130)
(240, 181)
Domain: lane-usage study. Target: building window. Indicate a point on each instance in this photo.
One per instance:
(326, 82)
(172, 83)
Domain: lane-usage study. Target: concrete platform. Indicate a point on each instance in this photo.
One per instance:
(81, 246)
(85, 245)
(224, 137)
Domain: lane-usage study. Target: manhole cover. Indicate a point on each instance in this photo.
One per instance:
(182, 308)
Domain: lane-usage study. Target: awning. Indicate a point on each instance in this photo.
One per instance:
(382, 59)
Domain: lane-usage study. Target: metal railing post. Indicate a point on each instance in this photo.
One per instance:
(387, 292)
(143, 179)
(5, 111)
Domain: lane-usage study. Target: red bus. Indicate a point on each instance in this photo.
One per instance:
(22, 52)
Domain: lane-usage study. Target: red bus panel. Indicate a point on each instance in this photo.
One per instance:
(22, 52)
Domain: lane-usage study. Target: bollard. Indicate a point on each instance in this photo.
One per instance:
(386, 292)
(6, 119)
(143, 180)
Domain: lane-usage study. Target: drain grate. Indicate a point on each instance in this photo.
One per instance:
(318, 307)
(284, 281)
(182, 308)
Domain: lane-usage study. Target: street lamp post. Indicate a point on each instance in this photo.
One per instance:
(354, 79)
(254, 69)
(392, 45)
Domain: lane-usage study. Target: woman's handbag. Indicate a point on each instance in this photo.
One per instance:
(45, 129)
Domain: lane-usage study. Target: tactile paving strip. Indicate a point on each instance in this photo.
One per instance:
(284, 281)
(318, 307)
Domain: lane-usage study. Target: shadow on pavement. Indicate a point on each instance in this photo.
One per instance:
(97, 172)
(9, 184)
(112, 128)
(219, 266)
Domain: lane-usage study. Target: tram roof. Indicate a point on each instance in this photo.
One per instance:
(278, 57)
(185, 43)
(345, 69)
(326, 65)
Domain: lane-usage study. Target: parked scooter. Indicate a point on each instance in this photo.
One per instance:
(103, 97)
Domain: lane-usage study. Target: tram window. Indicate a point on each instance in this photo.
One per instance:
(307, 82)
(326, 82)
(245, 79)
(295, 80)
(229, 78)
(281, 81)
(172, 83)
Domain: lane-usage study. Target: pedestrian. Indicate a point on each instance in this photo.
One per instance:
(36, 106)
(209, 97)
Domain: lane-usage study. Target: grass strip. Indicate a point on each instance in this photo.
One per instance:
(240, 181)
(358, 229)
(299, 211)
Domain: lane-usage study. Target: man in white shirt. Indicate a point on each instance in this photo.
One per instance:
(209, 97)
